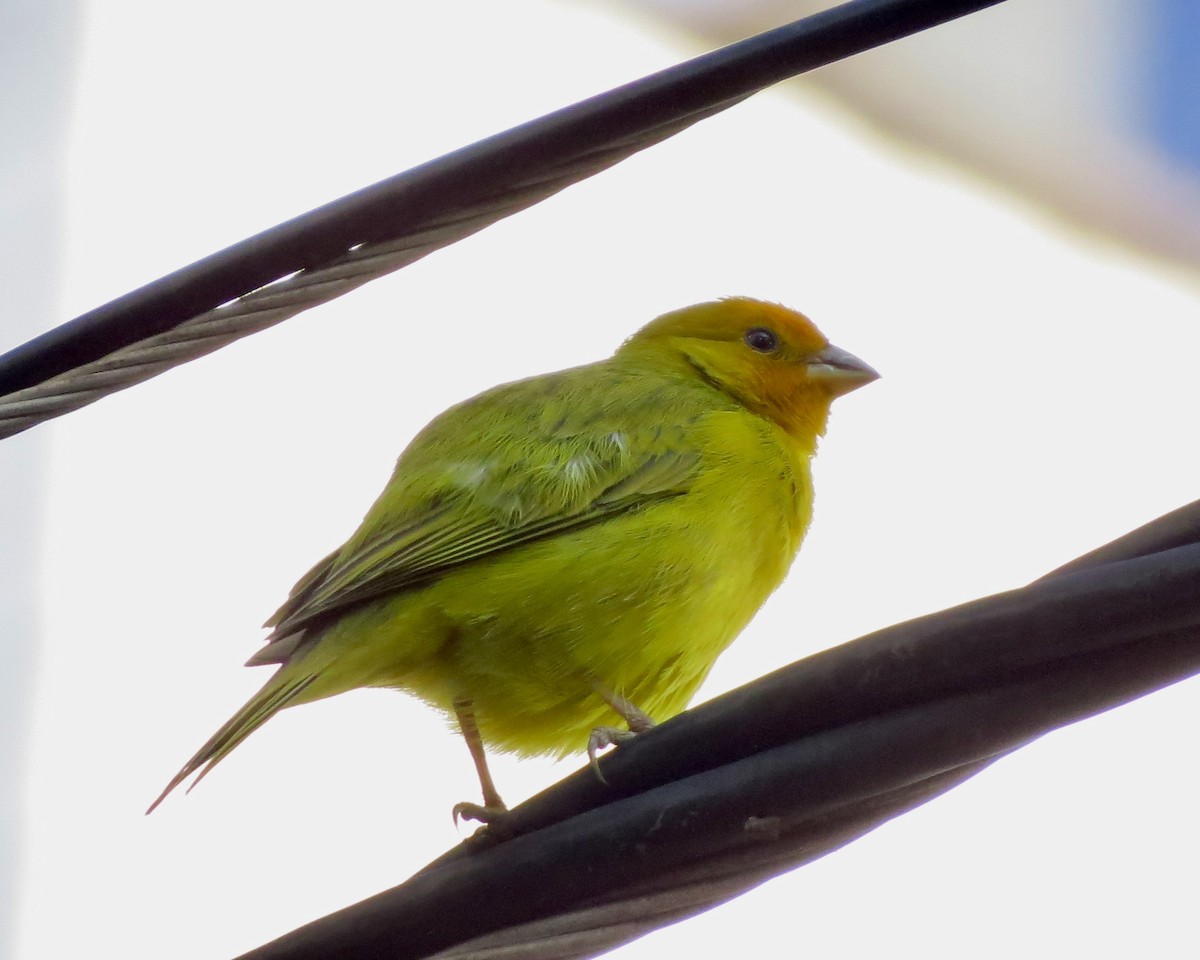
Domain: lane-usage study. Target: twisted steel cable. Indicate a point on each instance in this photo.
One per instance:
(792, 766)
(215, 328)
(342, 245)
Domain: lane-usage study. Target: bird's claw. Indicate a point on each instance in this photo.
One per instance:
(603, 737)
(477, 812)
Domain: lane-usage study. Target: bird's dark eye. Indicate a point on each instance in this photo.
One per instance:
(762, 339)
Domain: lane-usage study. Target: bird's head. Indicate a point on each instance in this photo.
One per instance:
(772, 360)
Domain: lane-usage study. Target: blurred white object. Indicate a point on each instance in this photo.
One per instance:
(1090, 107)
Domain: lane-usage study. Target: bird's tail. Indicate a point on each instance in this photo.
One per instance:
(276, 694)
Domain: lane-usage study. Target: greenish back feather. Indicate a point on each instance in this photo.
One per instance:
(519, 463)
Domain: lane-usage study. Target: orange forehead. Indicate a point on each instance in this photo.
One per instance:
(730, 318)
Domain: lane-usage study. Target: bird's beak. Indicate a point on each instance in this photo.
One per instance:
(839, 371)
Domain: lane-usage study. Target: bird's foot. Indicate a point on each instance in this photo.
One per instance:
(638, 720)
(603, 737)
(480, 813)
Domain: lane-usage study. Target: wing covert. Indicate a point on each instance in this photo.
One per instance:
(528, 472)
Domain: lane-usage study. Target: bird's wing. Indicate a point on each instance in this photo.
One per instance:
(541, 474)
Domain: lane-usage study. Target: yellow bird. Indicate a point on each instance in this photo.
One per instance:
(574, 545)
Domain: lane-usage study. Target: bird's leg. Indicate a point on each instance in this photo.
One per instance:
(493, 807)
(637, 720)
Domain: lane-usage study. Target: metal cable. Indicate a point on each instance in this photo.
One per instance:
(335, 248)
(792, 766)
(591, 930)
(215, 328)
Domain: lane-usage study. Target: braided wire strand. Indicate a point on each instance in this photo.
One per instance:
(773, 775)
(342, 245)
(268, 306)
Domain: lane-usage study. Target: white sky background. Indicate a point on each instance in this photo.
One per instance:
(1038, 399)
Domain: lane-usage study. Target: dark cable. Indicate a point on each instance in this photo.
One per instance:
(791, 766)
(438, 202)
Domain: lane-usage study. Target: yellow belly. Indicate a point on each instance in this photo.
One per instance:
(642, 604)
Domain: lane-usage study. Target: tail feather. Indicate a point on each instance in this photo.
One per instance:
(273, 697)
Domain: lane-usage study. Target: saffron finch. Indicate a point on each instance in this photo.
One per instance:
(560, 551)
